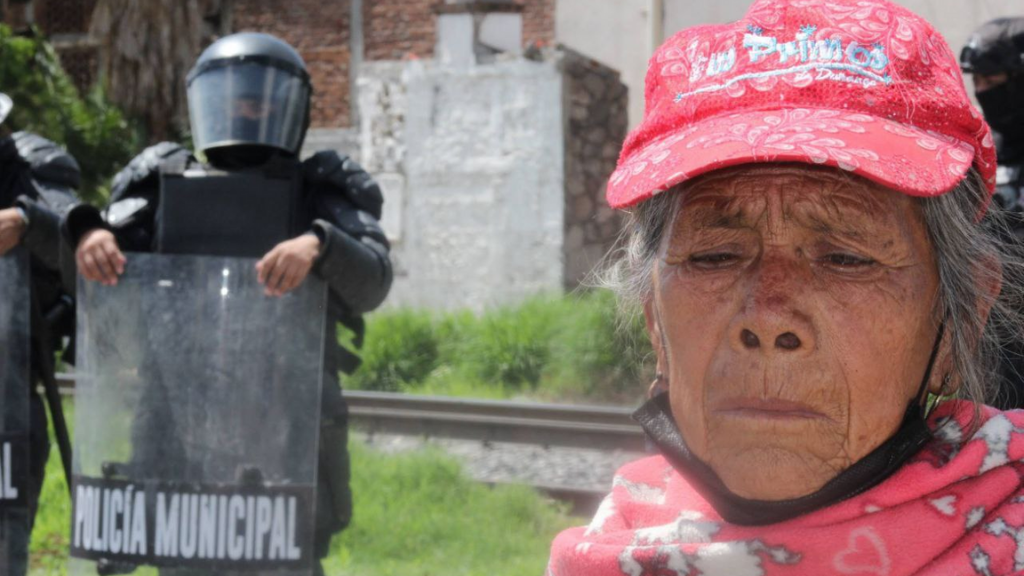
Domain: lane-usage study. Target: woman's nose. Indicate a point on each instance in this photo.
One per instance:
(772, 318)
(784, 341)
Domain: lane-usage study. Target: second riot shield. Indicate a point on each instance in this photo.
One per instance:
(15, 380)
(197, 420)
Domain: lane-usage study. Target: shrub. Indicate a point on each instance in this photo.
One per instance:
(596, 352)
(552, 347)
(401, 347)
(511, 346)
(46, 102)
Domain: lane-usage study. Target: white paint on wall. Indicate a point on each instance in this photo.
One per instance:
(392, 187)
(482, 181)
(455, 37)
(502, 31)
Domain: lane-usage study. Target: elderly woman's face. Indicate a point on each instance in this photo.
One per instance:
(794, 315)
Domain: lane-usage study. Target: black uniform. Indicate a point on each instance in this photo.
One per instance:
(249, 102)
(341, 204)
(40, 178)
(998, 48)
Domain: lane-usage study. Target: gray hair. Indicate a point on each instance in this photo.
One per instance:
(970, 255)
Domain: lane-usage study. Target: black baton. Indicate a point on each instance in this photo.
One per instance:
(60, 426)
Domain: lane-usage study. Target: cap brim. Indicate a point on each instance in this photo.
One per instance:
(902, 157)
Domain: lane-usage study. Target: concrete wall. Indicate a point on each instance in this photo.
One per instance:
(343, 140)
(472, 167)
(619, 32)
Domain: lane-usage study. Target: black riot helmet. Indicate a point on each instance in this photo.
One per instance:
(248, 98)
(995, 48)
(998, 48)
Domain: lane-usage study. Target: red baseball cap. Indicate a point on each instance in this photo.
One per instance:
(862, 85)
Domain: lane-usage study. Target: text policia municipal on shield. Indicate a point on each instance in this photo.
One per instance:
(8, 492)
(13, 468)
(162, 525)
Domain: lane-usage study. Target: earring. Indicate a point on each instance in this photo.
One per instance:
(659, 386)
(946, 389)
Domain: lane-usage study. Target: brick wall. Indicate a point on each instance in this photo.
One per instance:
(393, 29)
(539, 21)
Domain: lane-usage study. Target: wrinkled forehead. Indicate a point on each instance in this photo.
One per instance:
(811, 196)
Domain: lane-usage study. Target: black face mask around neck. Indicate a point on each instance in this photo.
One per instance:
(656, 419)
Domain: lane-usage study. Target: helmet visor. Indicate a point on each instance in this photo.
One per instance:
(244, 103)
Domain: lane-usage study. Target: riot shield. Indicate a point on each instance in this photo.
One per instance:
(197, 420)
(15, 377)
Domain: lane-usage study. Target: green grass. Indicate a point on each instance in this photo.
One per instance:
(416, 514)
(558, 348)
(50, 541)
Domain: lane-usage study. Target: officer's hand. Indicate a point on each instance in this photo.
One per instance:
(285, 267)
(12, 228)
(98, 257)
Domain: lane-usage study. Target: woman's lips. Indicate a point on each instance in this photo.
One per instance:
(768, 409)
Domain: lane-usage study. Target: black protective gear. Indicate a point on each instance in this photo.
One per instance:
(39, 177)
(995, 48)
(248, 92)
(341, 201)
(998, 48)
(341, 204)
(1003, 106)
(246, 212)
(133, 200)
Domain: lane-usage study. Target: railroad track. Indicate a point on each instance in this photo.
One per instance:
(595, 427)
(489, 421)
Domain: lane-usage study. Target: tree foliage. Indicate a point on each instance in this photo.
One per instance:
(146, 50)
(46, 102)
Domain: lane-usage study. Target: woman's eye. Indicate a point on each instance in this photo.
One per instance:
(847, 261)
(714, 259)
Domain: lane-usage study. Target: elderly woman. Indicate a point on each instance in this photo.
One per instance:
(806, 197)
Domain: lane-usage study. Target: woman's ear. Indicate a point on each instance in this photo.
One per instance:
(990, 285)
(658, 345)
(989, 278)
(943, 381)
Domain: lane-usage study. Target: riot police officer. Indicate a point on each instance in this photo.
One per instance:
(249, 106)
(994, 56)
(37, 183)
